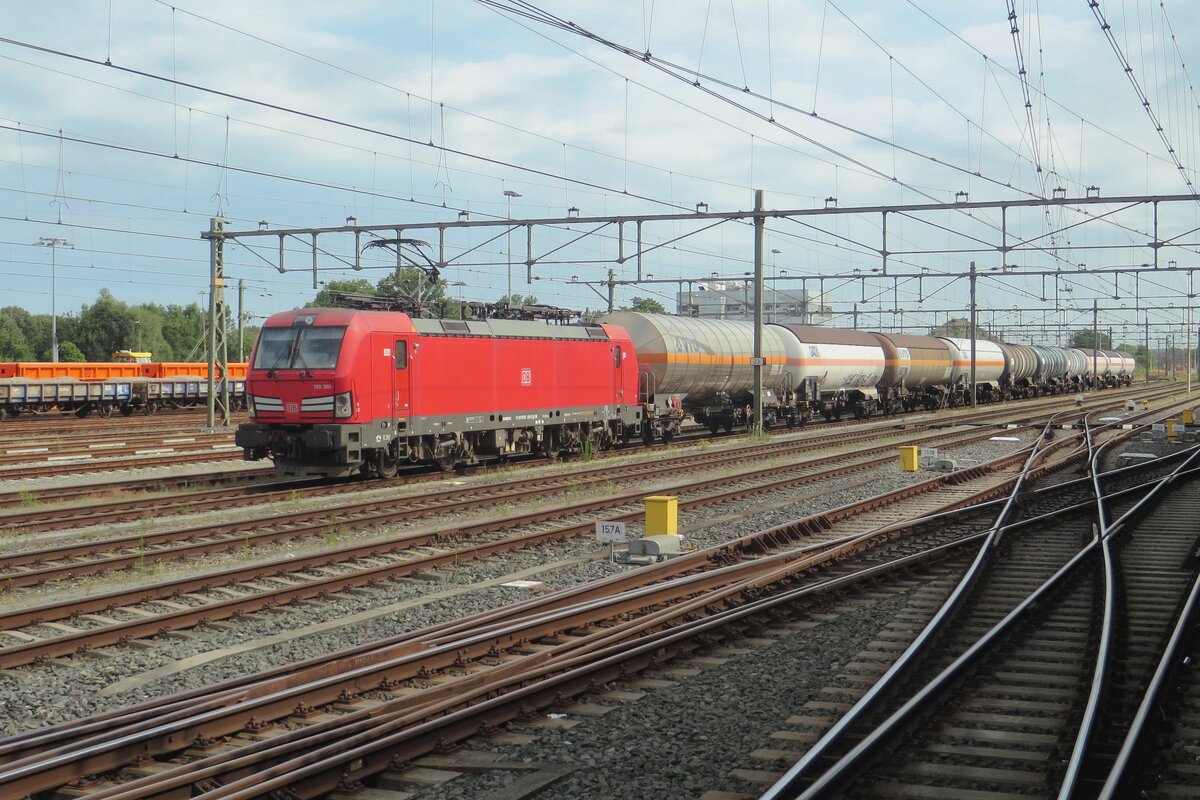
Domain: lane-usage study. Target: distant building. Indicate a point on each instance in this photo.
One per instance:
(723, 300)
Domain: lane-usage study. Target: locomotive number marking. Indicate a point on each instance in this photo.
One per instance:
(293, 408)
(526, 377)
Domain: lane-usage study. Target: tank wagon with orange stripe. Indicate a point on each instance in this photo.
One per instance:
(705, 367)
(834, 371)
(916, 374)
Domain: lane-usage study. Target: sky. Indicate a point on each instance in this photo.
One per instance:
(126, 125)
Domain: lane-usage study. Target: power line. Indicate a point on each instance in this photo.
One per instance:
(329, 120)
(1106, 29)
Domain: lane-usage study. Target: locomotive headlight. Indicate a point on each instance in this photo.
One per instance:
(343, 405)
(250, 404)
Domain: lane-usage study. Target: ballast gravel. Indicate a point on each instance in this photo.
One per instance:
(39, 695)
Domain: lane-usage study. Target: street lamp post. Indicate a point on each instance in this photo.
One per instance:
(774, 286)
(510, 194)
(53, 243)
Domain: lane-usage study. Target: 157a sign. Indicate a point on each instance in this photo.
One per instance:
(610, 532)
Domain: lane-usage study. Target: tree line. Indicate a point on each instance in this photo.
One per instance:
(168, 332)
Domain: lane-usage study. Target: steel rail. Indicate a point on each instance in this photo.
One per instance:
(1168, 663)
(576, 621)
(304, 488)
(126, 630)
(851, 765)
(792, 783)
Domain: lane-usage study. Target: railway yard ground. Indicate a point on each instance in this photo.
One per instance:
(175, 622)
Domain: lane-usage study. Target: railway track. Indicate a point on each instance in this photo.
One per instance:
(191, 500)
(337, 722)
(65, 627)
(197, 499)
(1040, 665)
(74, 457)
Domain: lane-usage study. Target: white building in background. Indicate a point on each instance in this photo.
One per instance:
(725, 300)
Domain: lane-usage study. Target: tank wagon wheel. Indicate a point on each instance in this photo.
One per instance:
(714, 427)
(860, 412)
(105, 411)
(667, 435)
(728, 425)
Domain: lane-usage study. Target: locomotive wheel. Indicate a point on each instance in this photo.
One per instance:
(445, 463)
(550, 447)
(384, 465)
(105, 411)
(647, 434)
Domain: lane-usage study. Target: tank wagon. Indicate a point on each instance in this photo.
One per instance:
(704, 366)
(916, 372)
(334, 392)
(990, 364)
(834, 371)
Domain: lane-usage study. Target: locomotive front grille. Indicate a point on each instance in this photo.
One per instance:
(268, 404)
(312, 404)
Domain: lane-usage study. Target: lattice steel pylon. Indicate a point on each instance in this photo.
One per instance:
(218, 324)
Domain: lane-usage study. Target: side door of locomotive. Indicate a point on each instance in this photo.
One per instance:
(401, 385)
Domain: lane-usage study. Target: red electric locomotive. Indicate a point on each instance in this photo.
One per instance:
(337, 391)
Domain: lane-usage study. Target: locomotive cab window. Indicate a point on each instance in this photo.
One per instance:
(400, 353)
(299, 348)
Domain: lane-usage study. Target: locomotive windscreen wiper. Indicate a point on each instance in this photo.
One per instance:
(286, 352)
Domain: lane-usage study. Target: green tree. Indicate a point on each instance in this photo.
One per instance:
(1085, 340)
(67, 351)
(647, 305)
(518, 300)
(182, 332)
(418, 290)
(325, 297)
(13, 344)
(103, 327)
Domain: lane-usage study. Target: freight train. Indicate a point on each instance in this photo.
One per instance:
(813, 371)
(334, 392)
(121, 385)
